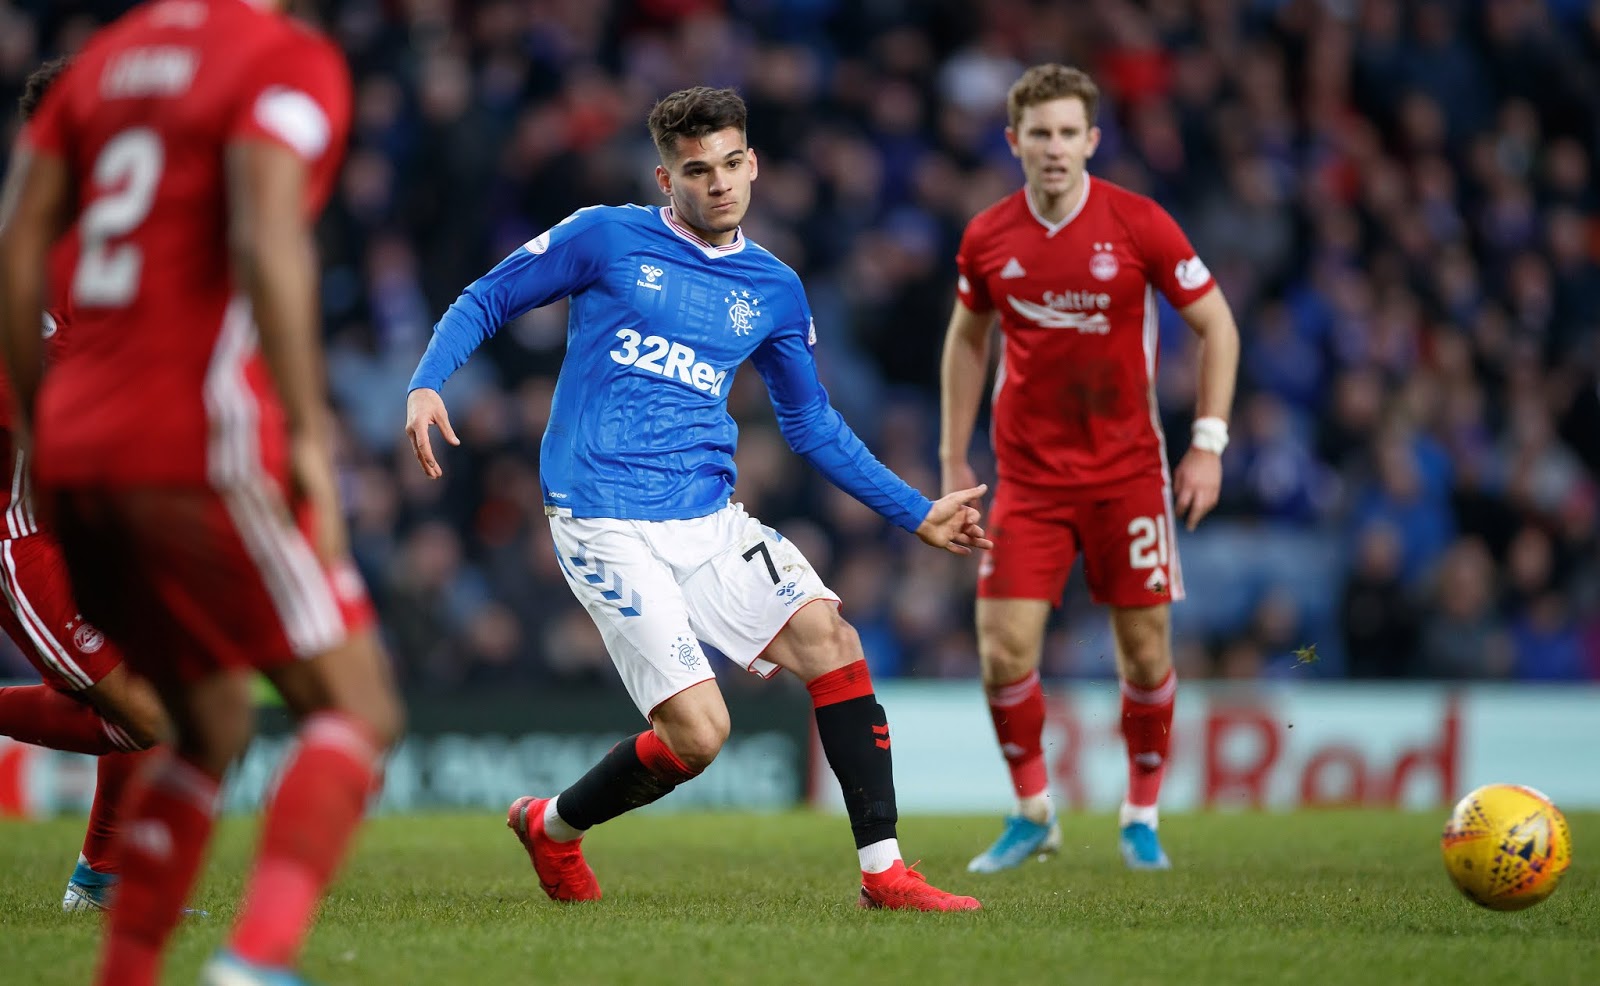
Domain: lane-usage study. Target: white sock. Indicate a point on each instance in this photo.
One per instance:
(556, 827)
(1037, 808)
(1138, 813)
(879, 856)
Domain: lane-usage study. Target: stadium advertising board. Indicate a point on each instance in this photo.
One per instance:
(1276, 746)
(1267, 745)
(483, 752)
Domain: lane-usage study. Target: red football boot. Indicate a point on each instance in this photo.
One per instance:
(563, 874)
(901, 888)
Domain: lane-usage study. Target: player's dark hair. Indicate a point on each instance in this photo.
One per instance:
(694, 113)
(1047, 83)
(38, 84)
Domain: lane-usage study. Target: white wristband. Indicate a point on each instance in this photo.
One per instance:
(1209, 435)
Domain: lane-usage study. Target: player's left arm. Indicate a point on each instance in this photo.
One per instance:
(35, 209)
(285, 134)
(1182, 278)
(1197, 483)
(818, 432)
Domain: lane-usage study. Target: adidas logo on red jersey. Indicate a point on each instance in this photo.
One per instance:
(1012, 270)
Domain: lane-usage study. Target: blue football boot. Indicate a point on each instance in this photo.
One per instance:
(1141, 848)
(1019, 840)
(227, 969)
(87, 889)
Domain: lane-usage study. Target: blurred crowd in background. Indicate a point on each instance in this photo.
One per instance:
(1400, 200)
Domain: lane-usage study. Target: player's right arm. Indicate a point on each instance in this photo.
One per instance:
(963, 372)
(35, 208)
(561, 262)
(964, 368)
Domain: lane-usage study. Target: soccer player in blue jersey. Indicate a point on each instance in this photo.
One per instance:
(637, 471)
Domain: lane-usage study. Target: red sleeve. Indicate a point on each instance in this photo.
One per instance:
(1174, 268)
(970, 286)
(298, 95)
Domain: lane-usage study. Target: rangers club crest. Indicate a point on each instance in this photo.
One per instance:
(1103, 265)
(743, 310)
(687, 653)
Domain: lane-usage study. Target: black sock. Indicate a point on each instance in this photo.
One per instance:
(634, 773)
(855, 738)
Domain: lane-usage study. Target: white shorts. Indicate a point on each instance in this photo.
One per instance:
(656, 588)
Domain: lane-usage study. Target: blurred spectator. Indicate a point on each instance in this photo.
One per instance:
(1398, 198)
(1463, 635)
(1378, 612)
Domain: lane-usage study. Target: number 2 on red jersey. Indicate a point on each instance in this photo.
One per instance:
(123, 184)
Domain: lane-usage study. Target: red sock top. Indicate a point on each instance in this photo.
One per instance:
(659, 759)
(841, 685)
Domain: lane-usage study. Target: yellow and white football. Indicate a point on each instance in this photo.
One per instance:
(1506, 846)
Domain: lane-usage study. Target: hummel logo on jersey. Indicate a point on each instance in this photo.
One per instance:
(672, 360)
(1012, 270)
(651, 275)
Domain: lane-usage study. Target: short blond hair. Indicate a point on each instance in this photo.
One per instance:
(1047, 83)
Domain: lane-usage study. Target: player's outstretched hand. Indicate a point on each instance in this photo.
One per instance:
(952, 524)
(1198, 483)
(425, 407)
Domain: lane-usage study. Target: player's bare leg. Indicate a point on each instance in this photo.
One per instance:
(1143, 637)
(1010, 639)
(121, 713)
(118, 720)
(687, 732)
(825, 652)
(349, 715)
(135, 720)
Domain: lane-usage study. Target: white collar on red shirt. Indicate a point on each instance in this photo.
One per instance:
(1052, 229)
(711, 250)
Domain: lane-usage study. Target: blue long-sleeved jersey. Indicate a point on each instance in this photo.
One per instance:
(660, 321)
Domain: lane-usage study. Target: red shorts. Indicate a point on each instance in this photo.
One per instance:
(1124, 533)
(39, 613)
(192, 581)
(42, 619)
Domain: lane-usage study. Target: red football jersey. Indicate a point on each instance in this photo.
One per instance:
(1074, 397)
(163, 382)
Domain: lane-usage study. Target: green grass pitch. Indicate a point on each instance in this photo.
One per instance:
(1335, 897)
